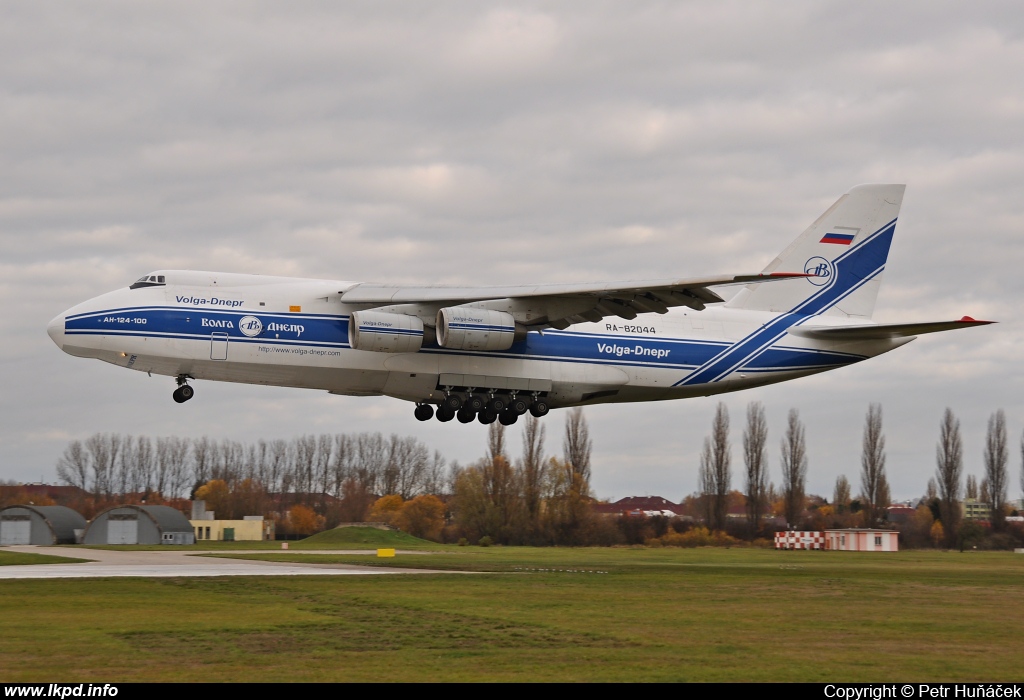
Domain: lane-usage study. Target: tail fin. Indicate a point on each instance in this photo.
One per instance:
(846, 250)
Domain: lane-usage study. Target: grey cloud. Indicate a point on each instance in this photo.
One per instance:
(460, 143)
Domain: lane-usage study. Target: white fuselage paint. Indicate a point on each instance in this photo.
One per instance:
(293, 332)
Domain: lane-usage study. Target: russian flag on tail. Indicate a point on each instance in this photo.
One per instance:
(838, 238)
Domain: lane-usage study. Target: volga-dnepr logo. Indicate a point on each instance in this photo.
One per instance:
(822, 269)
(250, 326)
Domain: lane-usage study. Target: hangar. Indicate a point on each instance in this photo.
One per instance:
(140, 525)
(40, 525)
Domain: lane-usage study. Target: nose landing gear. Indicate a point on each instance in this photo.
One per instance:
(184, 392)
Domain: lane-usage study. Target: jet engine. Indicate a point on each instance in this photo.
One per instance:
(380, 331)
(464, 328)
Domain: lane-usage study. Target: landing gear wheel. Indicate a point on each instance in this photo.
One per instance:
(508, 417)
(487, 416)
(519, 406)
(475, 403)
(183, 393)
(497, 404)
(445, 414)
(424, 412)
(465, 415)
(539, 409)
(453, 402)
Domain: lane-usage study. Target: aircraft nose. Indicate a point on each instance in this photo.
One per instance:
(56, 330)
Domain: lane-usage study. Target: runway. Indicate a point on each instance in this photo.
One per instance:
(165, 564)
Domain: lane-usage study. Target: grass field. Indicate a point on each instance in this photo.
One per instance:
(19, 558)
(541, 615)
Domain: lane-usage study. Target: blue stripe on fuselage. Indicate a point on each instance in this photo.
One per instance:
(853, 269)
(332, 331)
(190, 323)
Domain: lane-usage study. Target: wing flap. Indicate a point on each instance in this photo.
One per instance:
(882, 331)
(386, 294)
(557, 305)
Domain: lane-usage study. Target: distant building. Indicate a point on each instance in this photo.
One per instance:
(973, 509)
(862, 540)
(639, 506)
(207, 527)
(140, 525)
(252, 528)
(40, 525)
(799, 539)
(900, 513)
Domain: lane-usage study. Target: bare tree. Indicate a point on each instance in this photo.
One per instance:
(1022, 464)
(984, 493)
(577, 444)
(104, 452)
(996, 457)
(74, 466)
(178, 469)
(794, 467)
(841, 496)
(707, 484)
(971, 487)
(950, 466)
(533, 465)
(496, 441)
(716, 461)
(202, 460)
(500, 487)
(414, 468)
(142, 467)
(872, 463)
(883, 499)
(435, 477)
(755, 439)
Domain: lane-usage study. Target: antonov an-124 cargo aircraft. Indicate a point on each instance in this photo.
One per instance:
(494, 353)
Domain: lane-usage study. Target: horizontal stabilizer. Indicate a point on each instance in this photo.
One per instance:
(882, 331)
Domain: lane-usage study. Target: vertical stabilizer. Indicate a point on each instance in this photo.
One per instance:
(845, 250)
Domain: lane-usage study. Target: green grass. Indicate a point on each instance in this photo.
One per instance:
(543, 615)
(365, 538)
(19, 558)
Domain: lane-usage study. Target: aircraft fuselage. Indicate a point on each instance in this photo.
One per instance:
(295, 332)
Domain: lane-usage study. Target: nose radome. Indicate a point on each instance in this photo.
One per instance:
(56, 330)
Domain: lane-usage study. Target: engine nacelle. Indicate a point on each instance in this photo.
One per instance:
(464, 328)
(380, 331)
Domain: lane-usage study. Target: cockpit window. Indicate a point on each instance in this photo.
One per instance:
(149, 281)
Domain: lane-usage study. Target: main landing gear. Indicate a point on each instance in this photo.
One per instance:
(485, 407)
(184, 392)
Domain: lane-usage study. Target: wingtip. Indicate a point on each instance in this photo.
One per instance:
(976, 321)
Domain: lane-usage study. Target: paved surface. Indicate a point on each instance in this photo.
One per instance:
(172, 563)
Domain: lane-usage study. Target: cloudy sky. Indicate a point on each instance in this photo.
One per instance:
(479, 143)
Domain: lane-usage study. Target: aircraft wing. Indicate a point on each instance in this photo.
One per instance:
(882, 331)
(560, 305)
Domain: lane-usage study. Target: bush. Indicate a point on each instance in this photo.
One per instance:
(699, 536)
(1002, 540)
(485, 541)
